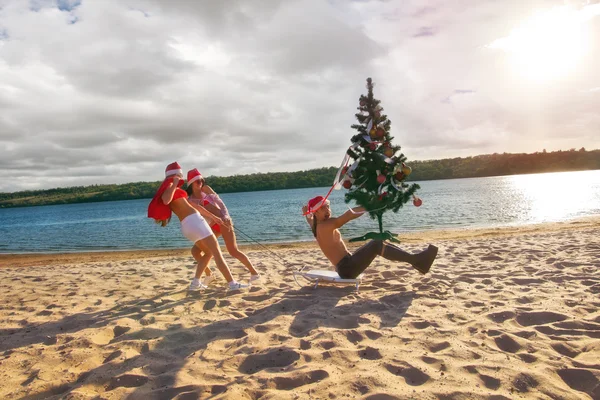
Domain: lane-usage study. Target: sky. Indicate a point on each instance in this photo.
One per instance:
(111, 91)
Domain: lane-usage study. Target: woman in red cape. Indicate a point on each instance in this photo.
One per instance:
(171, 198)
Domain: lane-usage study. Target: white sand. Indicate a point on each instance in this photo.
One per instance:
(504, 313)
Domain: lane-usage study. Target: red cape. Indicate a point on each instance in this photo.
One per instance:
(157, 209)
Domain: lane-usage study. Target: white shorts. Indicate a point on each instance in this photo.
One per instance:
(195, 228)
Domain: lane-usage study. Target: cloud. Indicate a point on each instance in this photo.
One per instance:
(111, 91)
(425, 31)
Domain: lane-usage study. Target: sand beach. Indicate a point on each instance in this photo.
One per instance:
(507, 313)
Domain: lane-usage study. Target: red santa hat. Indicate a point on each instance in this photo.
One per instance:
(173, 169)
(193, 175)
(315, 203)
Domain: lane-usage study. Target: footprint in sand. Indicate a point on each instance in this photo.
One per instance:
(582, 380)
(436, 347)
(276, 358)
(373, 335)
(120, 330)
(305, 344)
(507, 344)
(539, 318)
(328, 344)
(265, 328)
(524, 382)
(127, 380)
(306, 378)
(354, 337)
(413, 376)
(489, 381)
(257, 298)
(502, 316)
(528, 358)
(112, 356)
(370, 353)
(565, 350)
(421, 324)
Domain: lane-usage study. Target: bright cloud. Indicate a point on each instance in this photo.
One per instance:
(111, 91)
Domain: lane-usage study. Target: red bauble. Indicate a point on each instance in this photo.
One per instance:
(372, 146)
(380, 178)
(399, 175)
(417, 202)
(382, 196)
(347, 184)
(380, 133)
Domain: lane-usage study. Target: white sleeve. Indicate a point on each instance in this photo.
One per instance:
(216, 200)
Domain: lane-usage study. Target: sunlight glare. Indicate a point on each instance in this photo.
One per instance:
(549, 45)
(553, 196)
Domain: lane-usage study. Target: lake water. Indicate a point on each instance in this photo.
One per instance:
(275, 216)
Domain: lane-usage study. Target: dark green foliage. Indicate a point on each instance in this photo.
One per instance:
(506, 164)
(470, 167)
(370, 163)
(145, 190)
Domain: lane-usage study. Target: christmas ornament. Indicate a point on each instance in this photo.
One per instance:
(380, 133)
(417, 201)
(406, 170)
(347, 184)
(381, 178)
(388, 152)
(372, 146)
(399, 175)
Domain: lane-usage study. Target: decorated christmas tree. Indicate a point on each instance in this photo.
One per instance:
(376, 177)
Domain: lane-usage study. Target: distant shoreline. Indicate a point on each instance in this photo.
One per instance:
(482, 166)
(9, 260)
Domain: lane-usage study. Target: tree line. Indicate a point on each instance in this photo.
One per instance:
(451, 168)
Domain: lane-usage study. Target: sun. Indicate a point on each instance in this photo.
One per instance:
(550, 44)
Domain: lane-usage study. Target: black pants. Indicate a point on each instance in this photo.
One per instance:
(353, 265)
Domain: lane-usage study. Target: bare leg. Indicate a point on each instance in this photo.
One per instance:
(202, 259)
(210, 246)
(232, 249)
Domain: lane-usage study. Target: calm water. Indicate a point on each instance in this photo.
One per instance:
(275, 216)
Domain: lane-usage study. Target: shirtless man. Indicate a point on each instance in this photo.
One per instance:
(349, 266)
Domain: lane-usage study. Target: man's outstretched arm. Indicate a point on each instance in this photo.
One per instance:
(348, 216)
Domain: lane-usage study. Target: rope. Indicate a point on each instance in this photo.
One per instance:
(285, 262)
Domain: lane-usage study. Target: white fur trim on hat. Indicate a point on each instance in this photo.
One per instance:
(174, 172)
(194, 179)
(318, 205)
